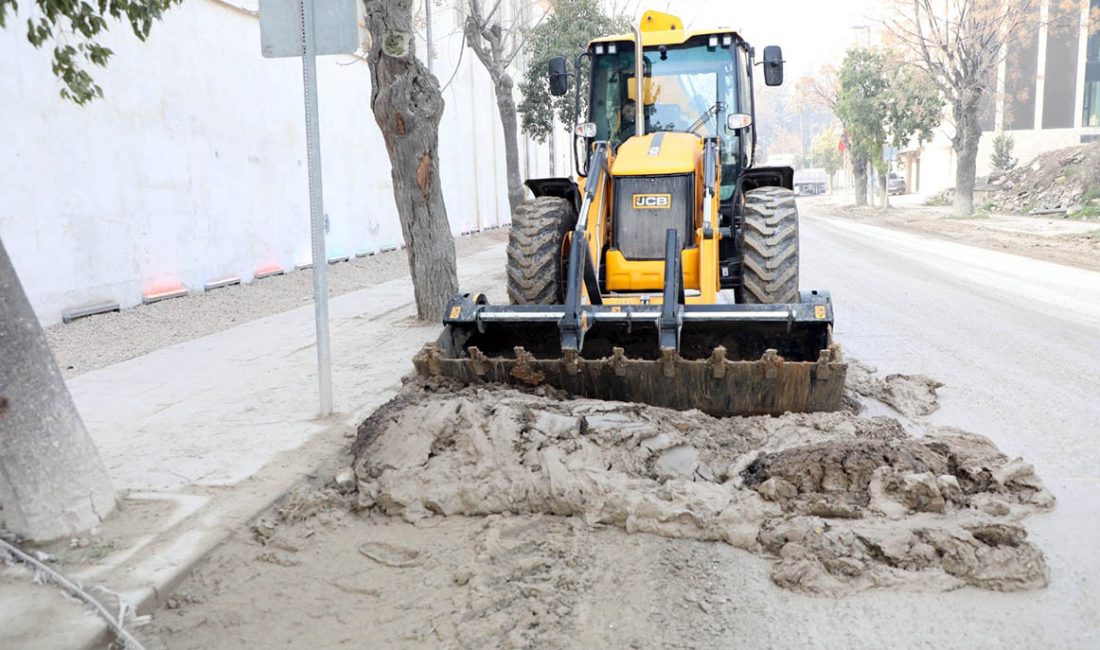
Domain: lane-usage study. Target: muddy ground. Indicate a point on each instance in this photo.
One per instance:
(1075, 242)
(489, 517)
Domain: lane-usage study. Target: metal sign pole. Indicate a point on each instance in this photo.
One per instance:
(312, 28)
(316, 207)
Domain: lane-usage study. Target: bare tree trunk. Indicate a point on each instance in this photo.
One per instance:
(407, 105)
(884, 188)
(52, 481)
(859, 170)
(968, 133)
(496, 47)
(506, 105)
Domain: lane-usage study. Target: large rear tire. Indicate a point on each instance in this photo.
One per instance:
(534, 250)
(769, 251)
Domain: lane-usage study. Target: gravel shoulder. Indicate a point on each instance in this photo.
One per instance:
(98, 341)
(1074, 242)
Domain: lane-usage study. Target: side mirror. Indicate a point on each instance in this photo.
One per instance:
(559, 78)
(738, 121)
(585, 130)
(773, 65)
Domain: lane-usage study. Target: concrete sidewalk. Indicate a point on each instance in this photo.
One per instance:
(203, 435)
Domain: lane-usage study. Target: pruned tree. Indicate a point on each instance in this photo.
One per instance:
(74, 27)
(407, 105)
(959, 45)
(565, 32)
(496, 45)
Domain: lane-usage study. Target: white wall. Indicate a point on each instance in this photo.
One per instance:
(193, 167)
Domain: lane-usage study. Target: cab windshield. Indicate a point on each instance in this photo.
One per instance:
(689, 88)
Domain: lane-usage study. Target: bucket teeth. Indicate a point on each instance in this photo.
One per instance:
(478, 361)
(429, 358)
(717, 362)
(524, 370)
(771, 361)
(668, 362)
(822, 372)
(618, 362)
(571, 362)
(715, 383)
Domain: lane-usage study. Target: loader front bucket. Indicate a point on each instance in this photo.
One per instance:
(721, 359)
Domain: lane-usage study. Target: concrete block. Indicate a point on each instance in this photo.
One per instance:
(69, 315)
(149, 299)
(224, 282)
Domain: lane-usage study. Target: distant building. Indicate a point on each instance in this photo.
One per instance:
(1048, 96)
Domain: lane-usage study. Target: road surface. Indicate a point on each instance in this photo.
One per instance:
(1016, 342)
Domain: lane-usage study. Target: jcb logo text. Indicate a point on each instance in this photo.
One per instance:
(652, 201)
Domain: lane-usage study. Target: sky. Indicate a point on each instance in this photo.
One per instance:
(811, 32)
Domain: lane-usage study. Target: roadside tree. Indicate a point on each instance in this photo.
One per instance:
(862, 105)
(496, 45)
(407, 106)
(827, 155)
(565, 32)
(959, 45)
(882, 100)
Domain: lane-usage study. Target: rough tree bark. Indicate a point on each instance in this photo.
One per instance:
(52, 481)
(407, 106)
(859, 174)
(487, 38)
(968, 133)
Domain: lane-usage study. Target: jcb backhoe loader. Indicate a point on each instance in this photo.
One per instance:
(668, 272)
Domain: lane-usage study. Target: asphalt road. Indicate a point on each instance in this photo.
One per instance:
(1016, 342)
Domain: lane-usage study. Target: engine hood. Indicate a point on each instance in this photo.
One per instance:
(653, 154)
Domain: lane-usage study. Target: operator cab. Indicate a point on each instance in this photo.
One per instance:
(693, 87)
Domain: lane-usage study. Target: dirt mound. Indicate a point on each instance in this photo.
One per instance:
(1063, 180)
(909, 395)
(839, 502)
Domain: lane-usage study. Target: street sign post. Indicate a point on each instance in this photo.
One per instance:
(308, 28)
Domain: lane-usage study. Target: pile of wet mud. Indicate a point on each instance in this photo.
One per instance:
(838, 502)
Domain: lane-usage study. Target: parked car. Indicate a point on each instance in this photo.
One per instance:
(895, 184)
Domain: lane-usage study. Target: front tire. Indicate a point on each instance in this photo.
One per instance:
(769, 250)
(534, 250)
